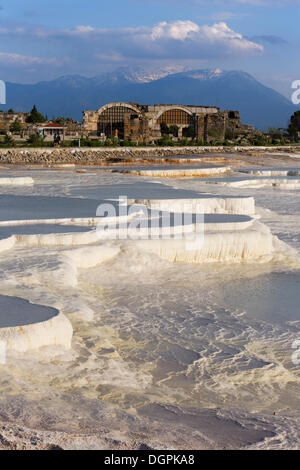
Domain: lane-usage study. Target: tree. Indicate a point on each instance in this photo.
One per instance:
(294, 126)
(58, 120)
(164, 129)
(35, 116)
(16, 127)
(174, 130)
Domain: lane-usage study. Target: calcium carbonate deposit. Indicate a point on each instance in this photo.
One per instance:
(177, 172)
(279, 183)
(140, 310)
(25, 326)
(206, 203)
(16, 181)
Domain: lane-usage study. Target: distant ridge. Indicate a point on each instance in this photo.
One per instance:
(69, 95)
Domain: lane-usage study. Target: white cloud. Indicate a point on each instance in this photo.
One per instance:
(180, 30)
(84, 29)
(165, 39)
(221, 33)
(18, 59)
(84, 44)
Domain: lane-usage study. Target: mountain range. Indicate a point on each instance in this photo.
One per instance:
(69, 95)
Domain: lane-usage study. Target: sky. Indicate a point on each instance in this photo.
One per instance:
(44, 40)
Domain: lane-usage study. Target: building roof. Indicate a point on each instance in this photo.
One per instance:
(52, 125)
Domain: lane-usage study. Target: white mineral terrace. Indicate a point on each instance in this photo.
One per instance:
(59, 239)
(255, 244)
(208, 205)
(135, 226)
(16, 181)
(228, 237)
(227, 232)
(149, 312)
(178, 172)
(25, 326)
(81, 221)
(7, 243)
(277, 183)
(271, 172)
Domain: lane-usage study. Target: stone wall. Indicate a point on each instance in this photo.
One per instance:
(96, 156)
(6, 119)
(215, 127)
(90, 122)
(136, 129)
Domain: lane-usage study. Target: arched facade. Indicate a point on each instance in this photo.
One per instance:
(111, 118)
(175, 115)
(129, 106)
(146, 123)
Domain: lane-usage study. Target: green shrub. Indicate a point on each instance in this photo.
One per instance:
(128, 143)
(183, 142)
(16, 127)
(165, 141)
(36, 140)
(8, 140)
(218, 143)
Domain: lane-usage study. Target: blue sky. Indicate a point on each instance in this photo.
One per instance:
(44, 40)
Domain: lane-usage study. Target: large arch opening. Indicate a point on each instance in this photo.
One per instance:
(175, 116)
(111, 120)
(178, 122)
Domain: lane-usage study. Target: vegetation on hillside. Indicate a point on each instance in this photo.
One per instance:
(35, 116)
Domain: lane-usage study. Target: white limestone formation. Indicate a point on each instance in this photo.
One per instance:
(270, 172)
(87, 221)
(177, 172)
(264, 183)
(59, 239)
(7, 243)
(16, 181)
(25, 326)
(209, 205)
(253, 244)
